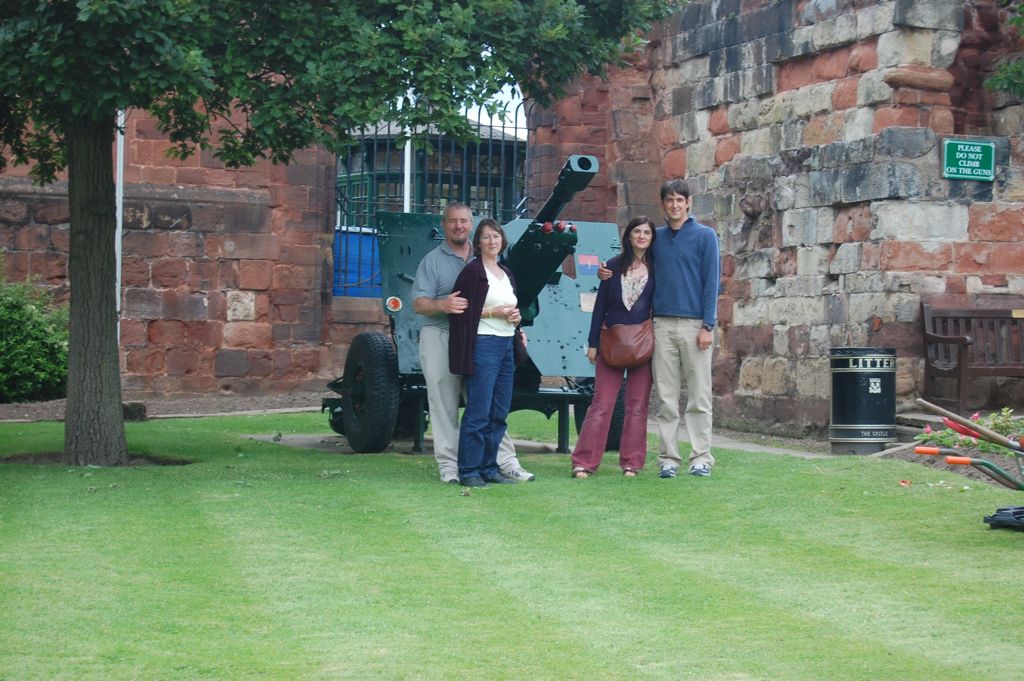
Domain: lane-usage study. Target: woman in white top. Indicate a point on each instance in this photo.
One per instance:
(480, 347)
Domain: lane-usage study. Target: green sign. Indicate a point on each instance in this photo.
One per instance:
(968, 160)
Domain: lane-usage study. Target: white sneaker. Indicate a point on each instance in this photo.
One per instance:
(520, 474)
(449, 476)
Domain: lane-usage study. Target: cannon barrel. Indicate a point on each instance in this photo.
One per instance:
(536, 256)
(574, 176)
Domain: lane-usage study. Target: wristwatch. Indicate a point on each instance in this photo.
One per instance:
(707, 327)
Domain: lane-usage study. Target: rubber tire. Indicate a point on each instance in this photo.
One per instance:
(617, 422)
(372, 393)
(337, 424)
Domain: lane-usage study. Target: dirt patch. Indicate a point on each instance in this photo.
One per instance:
(1007, 463)
(54, 459)
(200, 405)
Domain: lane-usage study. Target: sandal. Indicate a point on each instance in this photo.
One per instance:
(581, 473)
(628, 473)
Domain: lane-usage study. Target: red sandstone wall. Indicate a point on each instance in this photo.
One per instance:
(226, 273)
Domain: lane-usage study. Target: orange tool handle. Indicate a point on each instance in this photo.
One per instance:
(926, 451)
(959, 460)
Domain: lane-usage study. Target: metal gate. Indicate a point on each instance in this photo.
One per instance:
(489, 175)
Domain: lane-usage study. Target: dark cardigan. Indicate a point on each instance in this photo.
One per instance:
(472, 285)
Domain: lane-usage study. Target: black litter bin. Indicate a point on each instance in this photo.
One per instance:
(863, 399)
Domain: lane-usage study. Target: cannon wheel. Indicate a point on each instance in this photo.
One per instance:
(618, 417)
(371, 393)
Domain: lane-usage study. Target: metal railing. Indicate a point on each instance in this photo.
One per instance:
(488, 174)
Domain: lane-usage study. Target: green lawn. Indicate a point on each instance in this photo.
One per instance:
(265, 561)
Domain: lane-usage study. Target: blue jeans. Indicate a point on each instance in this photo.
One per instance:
(488, 399)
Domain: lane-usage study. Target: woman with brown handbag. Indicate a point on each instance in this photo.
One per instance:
(619, 344)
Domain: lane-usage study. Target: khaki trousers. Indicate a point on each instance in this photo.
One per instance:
(677, 357)
(443, 392)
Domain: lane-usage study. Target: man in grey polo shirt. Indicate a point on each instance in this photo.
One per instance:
(434, 298)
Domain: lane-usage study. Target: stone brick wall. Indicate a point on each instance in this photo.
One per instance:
(226, 273)
(810, 132)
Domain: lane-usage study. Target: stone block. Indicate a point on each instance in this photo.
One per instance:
(142, 303)
(247, 335)
(808, 286)
(920, 221)
(791, 134)
(846, 259)
(916, 282)
(862, 282)
(204, 334)
(776, 376)
(183, 361)
(813, 99)
(917, 256)
(795, 311)
(203, 275)
(905, 142)
(919, 78)
(836, 311)
(241, 306)
(835, 32)
(780, 340)
(231, 363)
(295, 277)
(255, 274)
(934, 14)
(165, 333)
(872, 89)
(700, 157)
(743, 116)
(859, 124)
(874, 181)
(169, 273)
(751, 312)
(775, 109)
(243, 246)
(757, 82)
(184, 306)
(996, 222)
(807, 226)
(875, 20)
(133, 333)
(690, 129)
(810, 262)
(812, 377)
(905, 46)
(184, 245)
(826, 187)
(750, 375)
(760, 142)
(694, 70)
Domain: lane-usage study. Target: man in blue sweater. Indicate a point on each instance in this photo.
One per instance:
(686, 283)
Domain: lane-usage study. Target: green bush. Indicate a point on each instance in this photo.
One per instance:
(33, 344)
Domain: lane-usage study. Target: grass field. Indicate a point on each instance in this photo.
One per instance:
(261, 561)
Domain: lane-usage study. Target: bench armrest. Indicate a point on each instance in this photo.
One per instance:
(952, 340)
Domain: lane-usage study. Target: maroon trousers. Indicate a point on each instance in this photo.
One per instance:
(593, 438)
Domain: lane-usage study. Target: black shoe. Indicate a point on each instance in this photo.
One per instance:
(473, 482)
(499, 479)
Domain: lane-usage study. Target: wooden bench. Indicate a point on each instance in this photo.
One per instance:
(964, 343)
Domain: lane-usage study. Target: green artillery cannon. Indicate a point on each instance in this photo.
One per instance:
(382, 391)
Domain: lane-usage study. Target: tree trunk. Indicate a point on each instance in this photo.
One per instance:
(93, 422)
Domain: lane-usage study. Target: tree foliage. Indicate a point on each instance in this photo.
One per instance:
(1009, 76)
(259, 77)
(253, 79)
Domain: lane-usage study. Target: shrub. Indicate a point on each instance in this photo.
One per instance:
(1001, 422)
(33, 344)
